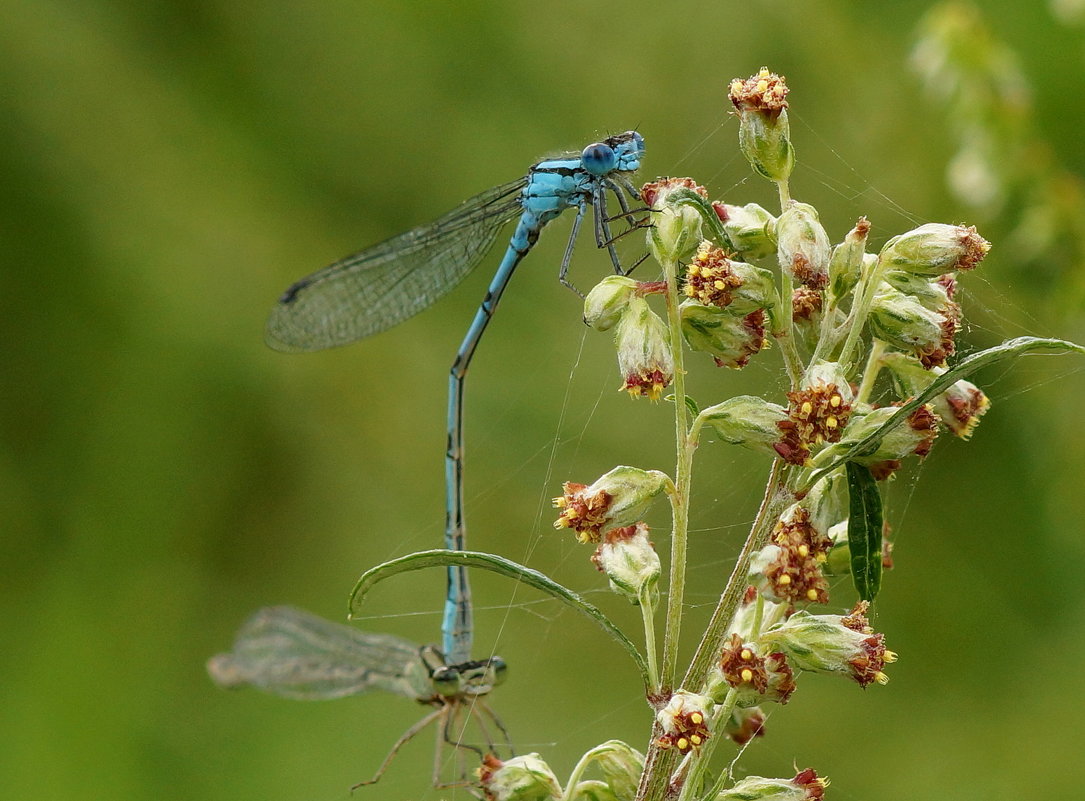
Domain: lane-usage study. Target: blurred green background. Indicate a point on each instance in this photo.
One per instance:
(169, 168)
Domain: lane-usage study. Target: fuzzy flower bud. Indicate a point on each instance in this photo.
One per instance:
(522, 778)
(747, 420)
(710, 279)
(806, 786)
(904, 321)
(802, 246)
(846, 263)
(729, 338)
(934, 249)
(751, 229)
(932, 294)
(744, 724)
(915, 435)
(833, 644)
(785, 574)
(791, 568)
(630, 561)
(713, 278)
(618, 498)
(607, 301)
(745, 615)
(621, 765)
(684, 721)
(818, 412)
(757, 678)
(959, 408)
(764, 136)
(838, 560)
(676, 229)
(644, 353)
(806, 309)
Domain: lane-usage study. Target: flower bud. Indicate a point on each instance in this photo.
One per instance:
(644, 352)
(764, 135)
(806, 311)
(684, 721)
(618, 498)
(914, 435)
(744, 724)
(959, 408)
(729, 338)
(630, 561)
(802, 246)
(714, 279)
(748, 421)
(788, 574)
(833, 644)
(757, 679)
(806, 786)
(522, 778)
(745, 615)
(790, 569)
(903, 320)
(817, 413)
(676, 228)
(751, 229)
(932, 294)
(621, 765)
(838, 560)
(846, 263)
(607, 301)
(934, 249)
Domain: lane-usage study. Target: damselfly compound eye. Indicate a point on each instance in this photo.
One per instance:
(599, 159)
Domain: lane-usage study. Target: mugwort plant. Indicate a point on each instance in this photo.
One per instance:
(867, 341)
(867, 345)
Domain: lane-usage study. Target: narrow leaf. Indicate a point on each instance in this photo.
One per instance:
(864, 531)
(691, 404)
(441, 557)
(984, 358)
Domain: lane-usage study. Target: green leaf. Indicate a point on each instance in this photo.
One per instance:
(711, 220)
(984, 358)
(864, 531)
(691, 404)
(441, 557)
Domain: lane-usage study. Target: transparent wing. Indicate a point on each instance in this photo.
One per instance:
(295, 654)
(376, 288)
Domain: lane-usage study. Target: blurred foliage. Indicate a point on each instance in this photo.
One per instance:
(170, 167)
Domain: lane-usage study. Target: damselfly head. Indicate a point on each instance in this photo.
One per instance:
(474, 678)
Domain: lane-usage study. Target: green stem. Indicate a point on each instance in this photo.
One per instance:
(647, 612)
(860, 310)
(716, 632)
(785, 194)
(870, 373)
(680, 498)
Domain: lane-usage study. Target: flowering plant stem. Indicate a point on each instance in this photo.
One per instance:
(661, 762)
(680, 497)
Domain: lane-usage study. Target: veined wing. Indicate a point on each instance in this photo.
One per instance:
(292, 653)
(378, 287)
